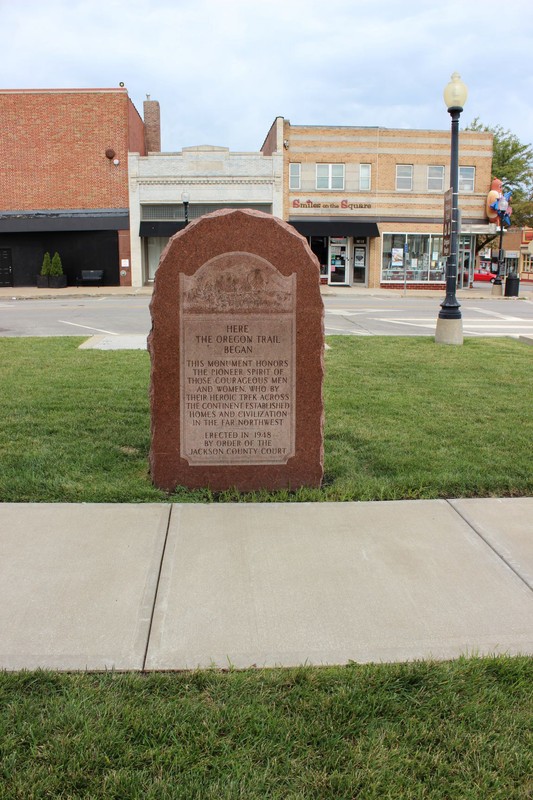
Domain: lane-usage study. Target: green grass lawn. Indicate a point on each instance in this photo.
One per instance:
(405, 418)
(449, 731)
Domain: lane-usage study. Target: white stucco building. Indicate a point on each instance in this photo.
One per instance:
(212, 177)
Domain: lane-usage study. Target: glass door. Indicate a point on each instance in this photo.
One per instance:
(338, 261)
(359, 262)
(465, 276)
(319, 246)
(154, 247)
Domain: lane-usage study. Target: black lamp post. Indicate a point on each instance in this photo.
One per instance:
(502, 209)
(185, 201)
(449, 322)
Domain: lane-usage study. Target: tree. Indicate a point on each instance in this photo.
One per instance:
(56, 267)
(47, 265)
(512, 163)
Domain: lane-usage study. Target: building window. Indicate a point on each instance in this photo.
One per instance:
(295, 173)
(330, 176)
(365, 173)
(467, 177)
(174, 212)
(435, 179)
(404, 177)
(418, 258)
(162, 212)
(412, 257)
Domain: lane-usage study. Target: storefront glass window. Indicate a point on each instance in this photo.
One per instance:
(393, 256)
(412, 257)
(437, 262)
(511, 265)
(417, 258)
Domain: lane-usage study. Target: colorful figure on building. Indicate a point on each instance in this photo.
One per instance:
(498, 204)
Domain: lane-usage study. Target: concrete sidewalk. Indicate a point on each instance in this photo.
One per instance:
(166, 587)
(479, 292)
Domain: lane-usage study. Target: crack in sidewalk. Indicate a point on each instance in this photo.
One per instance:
(489, 544)
(154, 604)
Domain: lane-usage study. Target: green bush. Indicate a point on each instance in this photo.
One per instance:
(56, 267)
(47, 265)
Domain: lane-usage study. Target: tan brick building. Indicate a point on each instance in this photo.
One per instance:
(64, 180)
(370, 200)
(525, 267)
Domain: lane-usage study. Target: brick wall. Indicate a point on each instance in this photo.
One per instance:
(53, 145)
(272, 143)
(152, 127)
(384, 149)
(136, 137)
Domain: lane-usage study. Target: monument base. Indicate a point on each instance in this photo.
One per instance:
(497, 290)
(449, 331)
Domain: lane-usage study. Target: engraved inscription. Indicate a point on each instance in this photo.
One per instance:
(237, 369)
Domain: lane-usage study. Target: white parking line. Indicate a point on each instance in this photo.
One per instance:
(348, 313)
(88, 327)
(405, 320)
(430, 323)
(495, 314)
(502, 322)
(485, 327)
(493, 324)
(347, 331)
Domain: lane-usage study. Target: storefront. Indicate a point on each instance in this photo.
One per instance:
(416, 259)
(342, 248)
(167, 188)
(370, 201)
(161, 221)
(526, 255)
(82, 239)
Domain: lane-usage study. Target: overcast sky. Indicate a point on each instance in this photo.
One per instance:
(222, 70)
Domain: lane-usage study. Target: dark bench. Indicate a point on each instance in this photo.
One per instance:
(91, 276)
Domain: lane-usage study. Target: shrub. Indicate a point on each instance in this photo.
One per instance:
(47, 265)
(57, 267)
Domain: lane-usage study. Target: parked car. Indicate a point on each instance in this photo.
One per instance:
(482, 274)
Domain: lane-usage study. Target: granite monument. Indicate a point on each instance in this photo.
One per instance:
(237, 348)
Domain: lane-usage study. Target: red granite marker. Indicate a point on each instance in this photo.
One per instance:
(237, 352)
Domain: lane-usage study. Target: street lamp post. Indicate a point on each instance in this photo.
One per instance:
(185, 201)
(449, 323)
(501, 206)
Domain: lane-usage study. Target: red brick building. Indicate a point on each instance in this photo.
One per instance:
(64, 179)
